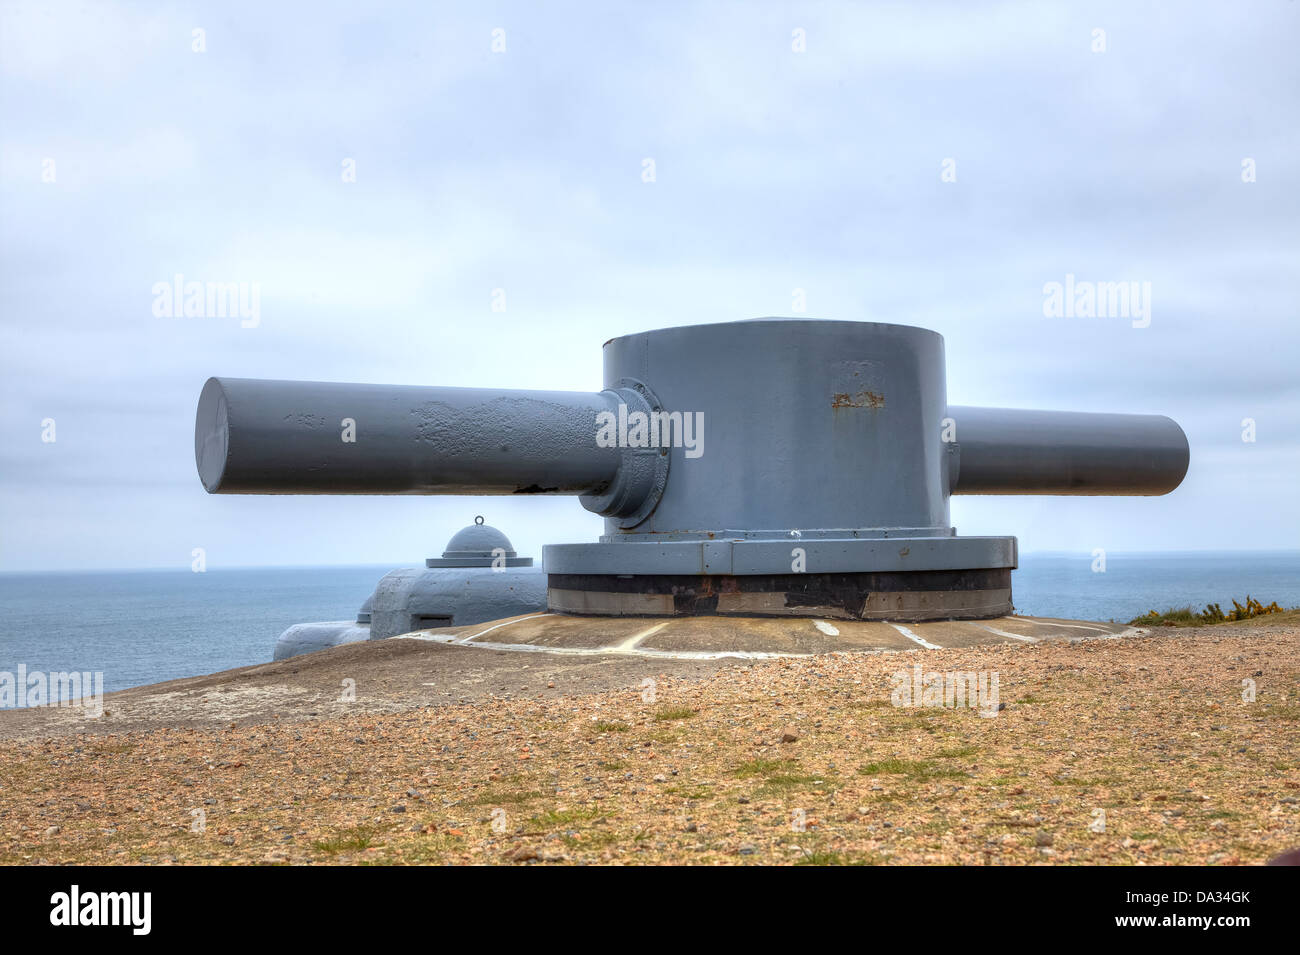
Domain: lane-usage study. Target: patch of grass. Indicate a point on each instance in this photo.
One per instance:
(1030, 698)
(781, 783)
(431, 850)
(612, 766)
(779, 775)
(918, 770)
(872, 704)
(1086, 783)
(674, 713)
(958, 753)
(761, 767)
(348, 840)
(666, 734)
(557, 818)
(590, 839)
(825, 857)
(1212, 614)
(691, 792)
(1173, 617)
(503, 797)
(604, 726)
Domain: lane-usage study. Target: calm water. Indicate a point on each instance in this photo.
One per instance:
(145, 626)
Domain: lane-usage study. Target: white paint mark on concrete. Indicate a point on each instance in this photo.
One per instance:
(1076, 626)
(914, 638)
(498, 626)
(826, 628)
(633, 641)
(1002, 633)
(430, 637)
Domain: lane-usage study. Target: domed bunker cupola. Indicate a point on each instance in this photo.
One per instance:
(479, 545)
(479, 577)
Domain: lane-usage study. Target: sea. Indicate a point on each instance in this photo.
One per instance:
(146, 626)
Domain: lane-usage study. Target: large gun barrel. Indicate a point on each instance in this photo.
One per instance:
(308, 437)
(1009, 451)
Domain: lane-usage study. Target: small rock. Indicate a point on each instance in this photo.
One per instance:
(788, 735)
(53, 831)
(1043, 839)
(747, 850)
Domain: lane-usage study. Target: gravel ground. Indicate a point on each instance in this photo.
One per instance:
(1138, 750)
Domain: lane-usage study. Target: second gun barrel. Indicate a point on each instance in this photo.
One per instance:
(1009, 451)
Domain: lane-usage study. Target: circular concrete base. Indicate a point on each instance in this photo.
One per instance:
(752, 637)
(916, 595)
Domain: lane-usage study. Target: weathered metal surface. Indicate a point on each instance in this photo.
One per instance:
(774, 446)
(775, 555)
(306, 437)
(413, 598)
(1009, 451)
(923, 595)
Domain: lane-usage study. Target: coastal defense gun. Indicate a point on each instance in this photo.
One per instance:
(765, 467)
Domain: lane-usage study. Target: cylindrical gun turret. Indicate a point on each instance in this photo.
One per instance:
(1008, 451)
(743, 467)
(820, 427)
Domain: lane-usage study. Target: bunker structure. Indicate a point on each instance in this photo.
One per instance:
(479, 577)
(771, 467)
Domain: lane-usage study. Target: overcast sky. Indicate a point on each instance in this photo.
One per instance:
(774, 170)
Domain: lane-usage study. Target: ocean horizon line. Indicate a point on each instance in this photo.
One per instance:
(1070, 554)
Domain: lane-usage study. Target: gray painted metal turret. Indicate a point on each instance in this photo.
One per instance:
(479, 577)
(765, 467)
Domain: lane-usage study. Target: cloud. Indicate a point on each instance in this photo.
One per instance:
(521, 171)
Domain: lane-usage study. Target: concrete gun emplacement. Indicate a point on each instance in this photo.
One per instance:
(765, 467)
